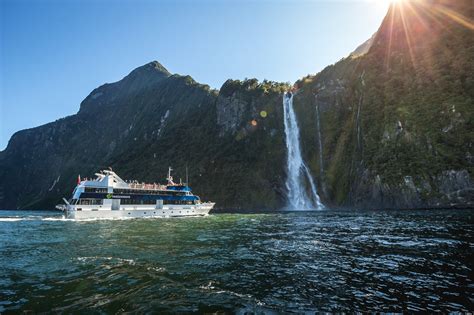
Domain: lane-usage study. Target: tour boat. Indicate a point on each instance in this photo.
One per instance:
(108, 197)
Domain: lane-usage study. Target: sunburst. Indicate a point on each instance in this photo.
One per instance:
(415, 16)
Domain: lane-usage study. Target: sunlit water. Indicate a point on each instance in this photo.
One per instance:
(301, 261)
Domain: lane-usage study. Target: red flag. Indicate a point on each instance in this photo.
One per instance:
(78, 179)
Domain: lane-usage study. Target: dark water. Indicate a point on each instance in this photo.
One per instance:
(261, 263)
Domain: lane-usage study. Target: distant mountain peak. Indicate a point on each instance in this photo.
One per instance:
(153, 66)
(141, 78)
(363, 48)
(150, 69)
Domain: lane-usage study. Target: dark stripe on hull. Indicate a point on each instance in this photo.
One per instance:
(136, 197)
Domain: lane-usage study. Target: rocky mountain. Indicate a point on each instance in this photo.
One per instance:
(389, 128)
(397, 122)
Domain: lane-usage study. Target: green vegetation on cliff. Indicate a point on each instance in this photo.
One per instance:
(396, 125)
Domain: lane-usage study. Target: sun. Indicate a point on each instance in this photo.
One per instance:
(387, 2)
(396, 1)
(383, 5)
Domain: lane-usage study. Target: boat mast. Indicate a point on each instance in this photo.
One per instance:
(187, 179)
(170, 179)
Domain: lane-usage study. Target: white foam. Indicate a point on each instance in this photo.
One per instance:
(107, 258)
(33, 218)
(11, 219)
(56, 219)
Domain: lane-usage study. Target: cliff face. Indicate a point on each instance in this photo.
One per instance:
(391, 127)
(397, 122)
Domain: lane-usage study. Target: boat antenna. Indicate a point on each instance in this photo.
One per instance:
(187, 178)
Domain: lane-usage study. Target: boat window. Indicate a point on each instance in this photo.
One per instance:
(95, 190)
(90, 202)
(177, 202)
(137, 202)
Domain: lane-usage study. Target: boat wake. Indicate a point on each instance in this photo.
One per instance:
(33, 218)
(64, 219)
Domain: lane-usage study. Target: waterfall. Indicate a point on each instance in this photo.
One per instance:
(298, 172)
(358, 121)
(314, 192)
(320, 145)
(320, 142)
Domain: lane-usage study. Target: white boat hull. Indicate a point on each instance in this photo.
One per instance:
(137, 211)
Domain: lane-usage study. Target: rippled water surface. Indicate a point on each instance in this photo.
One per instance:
(301, 261)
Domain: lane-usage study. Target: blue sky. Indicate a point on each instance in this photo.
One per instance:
(54, 52)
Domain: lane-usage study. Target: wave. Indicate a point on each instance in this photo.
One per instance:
(87, 259)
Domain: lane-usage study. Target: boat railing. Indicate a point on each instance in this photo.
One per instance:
(153, 186)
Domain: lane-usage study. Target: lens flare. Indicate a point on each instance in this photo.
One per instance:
(410, 20)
